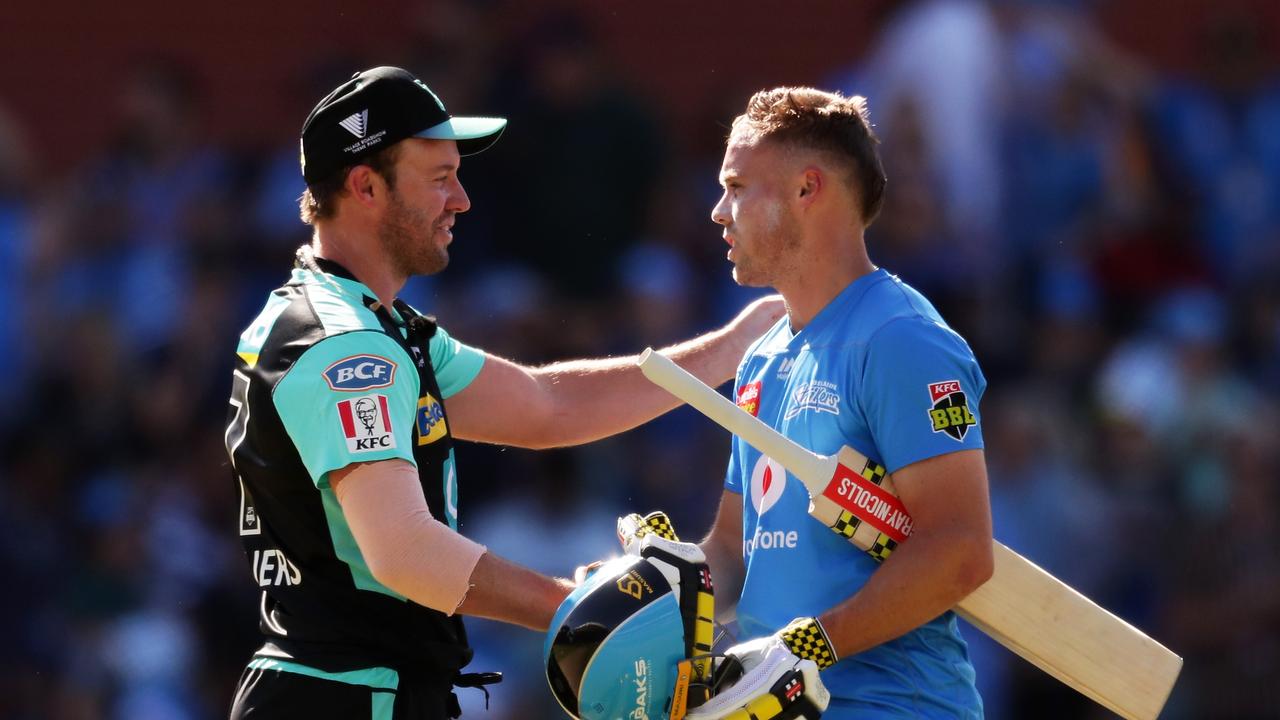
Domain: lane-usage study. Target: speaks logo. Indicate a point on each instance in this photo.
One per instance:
(641, 711)
(950, 412)
(360, 372)
(817, 395)
(366, 424)
(768, 480)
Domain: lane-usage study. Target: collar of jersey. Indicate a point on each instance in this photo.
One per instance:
(847, 298)
(347, 283)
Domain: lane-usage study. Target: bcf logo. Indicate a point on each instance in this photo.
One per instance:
(360, 372)
(768, 481)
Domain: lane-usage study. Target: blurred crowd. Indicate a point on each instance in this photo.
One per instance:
(1105, 233)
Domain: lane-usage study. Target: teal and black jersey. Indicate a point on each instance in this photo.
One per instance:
(325, 377)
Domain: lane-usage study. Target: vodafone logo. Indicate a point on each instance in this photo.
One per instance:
(768, 480)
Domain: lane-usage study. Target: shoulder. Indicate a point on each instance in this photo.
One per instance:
(336, 312)
(897, 312)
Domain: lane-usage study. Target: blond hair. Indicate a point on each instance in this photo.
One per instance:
(830, 123)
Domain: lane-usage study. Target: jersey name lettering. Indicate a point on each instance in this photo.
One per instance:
(271, 567)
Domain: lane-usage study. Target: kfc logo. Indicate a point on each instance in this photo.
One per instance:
(366, 424)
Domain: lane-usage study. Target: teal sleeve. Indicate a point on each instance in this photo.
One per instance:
(349, 398)
(455, 364)
(920, 389)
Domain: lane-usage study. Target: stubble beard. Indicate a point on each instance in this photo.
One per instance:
(401, 234)
(774, 254)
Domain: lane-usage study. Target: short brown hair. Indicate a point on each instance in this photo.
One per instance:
(320, 200)
(827, 122)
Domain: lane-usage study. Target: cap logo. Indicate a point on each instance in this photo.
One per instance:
(356, 124)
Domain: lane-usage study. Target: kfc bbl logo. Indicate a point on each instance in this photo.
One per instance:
(950, 412)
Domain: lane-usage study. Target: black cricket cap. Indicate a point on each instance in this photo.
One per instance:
(376, 109)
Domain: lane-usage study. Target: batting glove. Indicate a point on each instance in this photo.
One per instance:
(772, 678)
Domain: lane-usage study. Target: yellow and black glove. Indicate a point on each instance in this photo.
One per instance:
(772, 678)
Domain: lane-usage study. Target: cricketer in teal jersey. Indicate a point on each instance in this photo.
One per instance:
(861, 360)
(344, 408)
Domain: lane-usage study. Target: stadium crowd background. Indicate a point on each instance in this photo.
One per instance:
(1099, 214)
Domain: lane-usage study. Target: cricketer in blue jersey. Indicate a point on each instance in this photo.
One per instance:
(862, 360)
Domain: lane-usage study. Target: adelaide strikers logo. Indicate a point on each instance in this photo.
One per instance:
(950, 412)
(768, 481)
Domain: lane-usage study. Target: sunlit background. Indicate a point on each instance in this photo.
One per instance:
(1088, 191)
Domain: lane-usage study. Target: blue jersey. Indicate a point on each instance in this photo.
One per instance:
(878, 370)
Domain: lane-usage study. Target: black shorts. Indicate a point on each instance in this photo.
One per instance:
(273, 689)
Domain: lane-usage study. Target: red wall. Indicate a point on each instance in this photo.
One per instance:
(61, 65)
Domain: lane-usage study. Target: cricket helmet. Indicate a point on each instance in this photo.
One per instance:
(614, 644)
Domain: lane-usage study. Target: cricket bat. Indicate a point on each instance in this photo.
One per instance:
(1022, 607)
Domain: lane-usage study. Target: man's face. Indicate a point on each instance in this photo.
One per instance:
(756, 212)
(417, 227)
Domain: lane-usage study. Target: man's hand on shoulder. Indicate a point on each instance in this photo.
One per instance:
(754, 320)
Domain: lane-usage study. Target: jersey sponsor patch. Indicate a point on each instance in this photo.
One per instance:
(366, 424)
(817, 395)
(950, 412)
(749, 397)
(360, 372)
(430, 420)
(768, 481)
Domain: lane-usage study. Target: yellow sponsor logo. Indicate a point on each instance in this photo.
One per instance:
(430, 421)
(634, 585)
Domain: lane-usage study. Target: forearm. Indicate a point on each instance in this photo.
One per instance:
(419, 557)
(404, 547)
(575, 402)
(594, 399)
(502, 590)
(922, 579)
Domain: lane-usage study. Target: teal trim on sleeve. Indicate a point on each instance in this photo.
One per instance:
(383, 706)
(456, 364)
(253, 338)
(335, 428)
(377, 678)
(345, 547)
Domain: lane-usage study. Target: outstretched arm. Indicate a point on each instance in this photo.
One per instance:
(575, 402)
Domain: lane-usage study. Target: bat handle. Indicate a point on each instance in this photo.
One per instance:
(813, 470)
